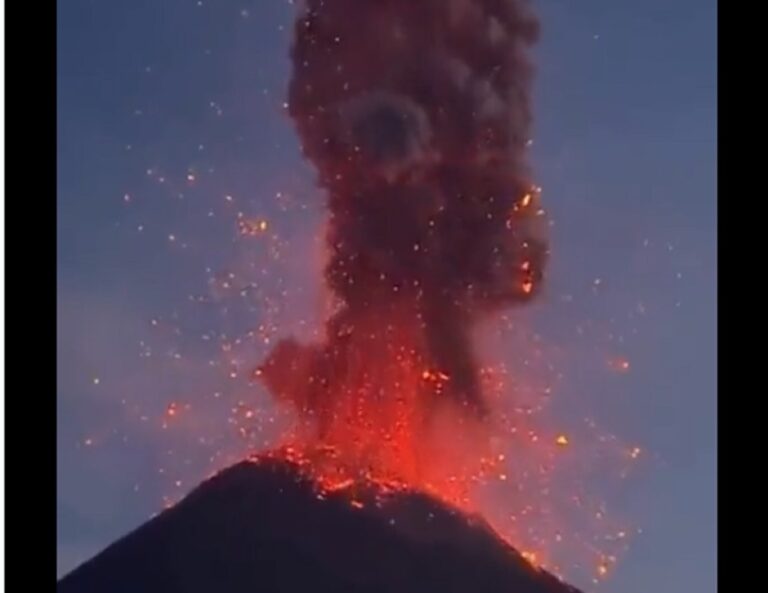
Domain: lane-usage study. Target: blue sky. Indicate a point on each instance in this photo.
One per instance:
(625, 149)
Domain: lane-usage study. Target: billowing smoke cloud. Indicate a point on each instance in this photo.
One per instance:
(416, 115)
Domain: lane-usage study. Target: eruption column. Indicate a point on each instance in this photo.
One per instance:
(416, 117)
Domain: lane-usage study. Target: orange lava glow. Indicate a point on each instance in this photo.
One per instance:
(507, 467)
(389, 419)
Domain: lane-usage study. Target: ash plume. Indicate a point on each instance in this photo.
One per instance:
(416, 116)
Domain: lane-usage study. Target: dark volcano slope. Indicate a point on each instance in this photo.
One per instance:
(259, 527)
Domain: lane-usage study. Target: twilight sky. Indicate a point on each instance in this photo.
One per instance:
(171, 122)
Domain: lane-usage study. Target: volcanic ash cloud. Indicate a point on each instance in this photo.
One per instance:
(416, 117)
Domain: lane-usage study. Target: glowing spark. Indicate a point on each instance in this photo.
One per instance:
(253, 227)
(562, 440)
(620, 365)
(434, 376)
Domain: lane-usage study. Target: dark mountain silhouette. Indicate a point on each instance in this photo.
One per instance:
(260, 527)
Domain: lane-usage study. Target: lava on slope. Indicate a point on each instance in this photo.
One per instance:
(264, 525)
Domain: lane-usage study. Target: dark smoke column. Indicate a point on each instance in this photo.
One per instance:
(416, 116)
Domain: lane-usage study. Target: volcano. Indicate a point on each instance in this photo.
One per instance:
(263, 526)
